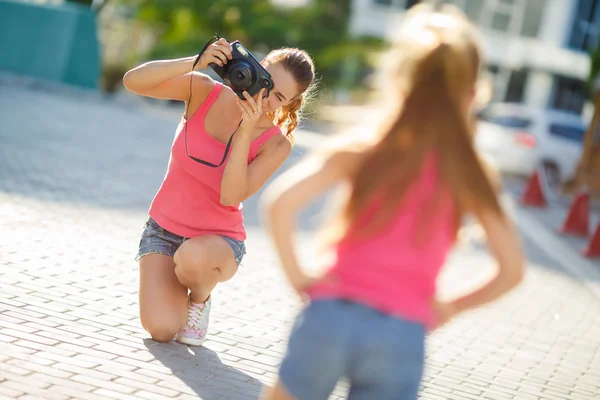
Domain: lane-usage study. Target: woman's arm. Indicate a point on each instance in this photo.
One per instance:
(170, 79)
(240, 180)
(289, 194)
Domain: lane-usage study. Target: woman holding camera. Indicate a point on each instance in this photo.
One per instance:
(194, 237)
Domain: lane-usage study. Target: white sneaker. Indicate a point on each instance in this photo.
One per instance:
(196, 327)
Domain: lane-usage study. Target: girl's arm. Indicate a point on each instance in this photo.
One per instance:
(505, 247)
(289, 194)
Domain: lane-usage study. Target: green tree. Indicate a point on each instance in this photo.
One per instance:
(320, 28)
(190, 23)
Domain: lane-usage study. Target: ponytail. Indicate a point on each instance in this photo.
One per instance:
(431, 121)
(288, 117)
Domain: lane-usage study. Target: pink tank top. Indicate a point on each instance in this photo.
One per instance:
(388, 271)
(188, 202)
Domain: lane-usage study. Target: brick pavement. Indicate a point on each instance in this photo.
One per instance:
(76, 175)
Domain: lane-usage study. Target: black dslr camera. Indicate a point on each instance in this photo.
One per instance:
(243, 72)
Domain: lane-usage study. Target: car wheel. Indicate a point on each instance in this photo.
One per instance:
(551, 176)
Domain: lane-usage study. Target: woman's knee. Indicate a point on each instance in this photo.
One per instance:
(160, 329)
(191, 256)
(204, 260)
(193, 262)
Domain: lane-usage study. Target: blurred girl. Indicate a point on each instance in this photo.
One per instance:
(409, 187)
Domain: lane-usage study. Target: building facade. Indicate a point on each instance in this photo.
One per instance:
(536, 50)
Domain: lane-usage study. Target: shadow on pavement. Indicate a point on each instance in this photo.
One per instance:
(203, 373)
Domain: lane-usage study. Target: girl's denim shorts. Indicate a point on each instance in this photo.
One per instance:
(157, 240)
(381, 356)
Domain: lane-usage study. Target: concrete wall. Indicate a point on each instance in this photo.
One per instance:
(53, 42)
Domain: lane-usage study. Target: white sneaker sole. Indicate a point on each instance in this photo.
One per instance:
(189, 341)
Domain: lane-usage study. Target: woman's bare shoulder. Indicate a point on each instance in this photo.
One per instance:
(202, 84)
(279, 141)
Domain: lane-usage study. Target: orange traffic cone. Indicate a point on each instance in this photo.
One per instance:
(576, 222)
(593, 247)
(533, 195)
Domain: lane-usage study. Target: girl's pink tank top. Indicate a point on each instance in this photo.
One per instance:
(389, 271)
(188, 202)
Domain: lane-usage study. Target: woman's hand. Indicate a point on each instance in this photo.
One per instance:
(251, 111)
(219, 53)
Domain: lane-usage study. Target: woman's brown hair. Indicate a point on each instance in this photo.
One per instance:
(300, 65)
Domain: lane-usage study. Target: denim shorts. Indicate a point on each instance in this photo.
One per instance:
(381, 356)
(157, 240)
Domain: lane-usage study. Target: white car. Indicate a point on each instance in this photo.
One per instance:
(518, 139)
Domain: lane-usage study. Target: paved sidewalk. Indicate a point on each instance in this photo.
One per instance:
(76, 176)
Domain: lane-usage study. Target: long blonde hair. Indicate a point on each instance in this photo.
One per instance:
(432, 72)
(300, 65)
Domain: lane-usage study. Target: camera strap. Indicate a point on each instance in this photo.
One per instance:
(207, 163)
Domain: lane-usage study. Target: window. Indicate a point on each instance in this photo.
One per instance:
(516, 86)
(569, 132)
(586, 25)
(511, 121)
(473, 9)
(517, 17)
(533, 17)
(493, 69)
(504, 118)
(569, 94)
(502, 16)
(501, 22)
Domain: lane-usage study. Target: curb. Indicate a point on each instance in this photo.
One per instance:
(566, 257)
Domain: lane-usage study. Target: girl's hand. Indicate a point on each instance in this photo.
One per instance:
(444, 312)
(251, 111)
(301, 284)
(219, 53)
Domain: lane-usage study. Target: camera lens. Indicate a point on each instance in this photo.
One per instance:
(240, 75)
